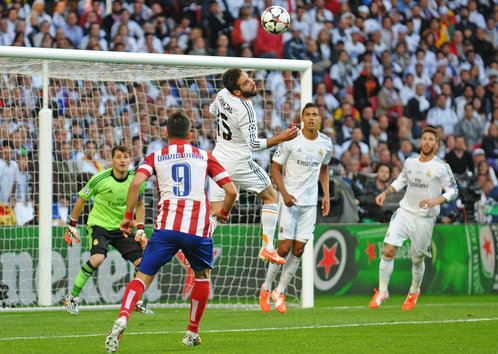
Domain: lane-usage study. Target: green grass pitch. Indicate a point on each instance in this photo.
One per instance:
(438, 324)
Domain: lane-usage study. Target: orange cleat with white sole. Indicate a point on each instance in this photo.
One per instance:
(279, 300)
(378, 298)
(264, 300)
(272, 256)
(410, 301)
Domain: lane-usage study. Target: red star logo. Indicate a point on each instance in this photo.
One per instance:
(487, 247)
(328, 259)
(371, 252)
(190, 278)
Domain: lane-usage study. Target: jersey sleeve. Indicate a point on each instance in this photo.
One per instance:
(328, 153)
(217, 172)
(213, 109)
(449, 184)
(90, 189)
(249, 129)
(402, 180)
(147, 167)
(281, 154)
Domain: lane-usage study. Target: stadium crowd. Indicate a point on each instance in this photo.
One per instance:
(382, 71)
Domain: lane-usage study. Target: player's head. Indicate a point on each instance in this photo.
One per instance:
(429, 141)
(239, 83)
(178, 126)
(120, 159)
(310, 116)
(383, 172)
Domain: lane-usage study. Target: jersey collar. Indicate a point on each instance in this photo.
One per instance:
(179, 142)
(120, 180)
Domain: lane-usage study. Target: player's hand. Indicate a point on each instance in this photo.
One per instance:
(126, 227)
(325, 206)
(380, 199)
(289, 200)
(70, 234)
(141, 238)
(426, 204)
(290, 133)
(221, 217)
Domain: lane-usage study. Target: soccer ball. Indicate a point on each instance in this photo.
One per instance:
(275, 20)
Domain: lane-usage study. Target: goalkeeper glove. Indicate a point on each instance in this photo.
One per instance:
(141, 237)
(71, 232)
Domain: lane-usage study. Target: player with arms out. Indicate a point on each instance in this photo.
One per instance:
(305, 162)
(425, 177)
(237, 137)
(183, 222)
(108, 189)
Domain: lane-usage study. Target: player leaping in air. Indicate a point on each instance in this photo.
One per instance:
(237, 138)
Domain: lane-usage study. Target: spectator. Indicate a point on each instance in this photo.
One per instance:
(341, 74)
(295, 48)
(89, 163)
(389, 102)
(440, 115)
(217, 22)
(245, 28)
(470, 126)
(460, 159)
(9, 174)
(490, 145)
(268, 45)
(365, 87)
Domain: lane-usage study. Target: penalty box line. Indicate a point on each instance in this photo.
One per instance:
(266, 329)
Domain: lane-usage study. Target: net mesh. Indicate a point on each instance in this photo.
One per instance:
(95, 107)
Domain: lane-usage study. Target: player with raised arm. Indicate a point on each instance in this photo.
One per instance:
(425, 177)
(183, 222)
(108, 189)
(237, 138)
(305, 162)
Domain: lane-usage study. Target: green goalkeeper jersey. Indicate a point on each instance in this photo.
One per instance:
(109, 198)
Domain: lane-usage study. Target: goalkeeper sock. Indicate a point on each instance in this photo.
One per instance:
(386, 267)
(133, 293)
(288, 272)
(270, 276)
(418, 269)
(269, 217)
(198, 300)
(84, 274)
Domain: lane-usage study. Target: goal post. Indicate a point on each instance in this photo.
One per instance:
(90, 76)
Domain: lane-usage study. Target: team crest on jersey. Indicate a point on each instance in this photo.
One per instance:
(95, 242)
(281, 229)
(320, 152)
(86, 191)
(428, 174)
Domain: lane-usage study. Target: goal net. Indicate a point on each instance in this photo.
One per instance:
(61, 114)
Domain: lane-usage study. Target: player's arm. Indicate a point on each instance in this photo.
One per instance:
(140, 235)
(397, 185)
(126, 225)
(324, 181)
(71, 231)
(288, 134)
(230, 197)
(276, 173)
(450, 191)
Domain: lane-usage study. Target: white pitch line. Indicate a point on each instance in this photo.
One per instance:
(266, 329)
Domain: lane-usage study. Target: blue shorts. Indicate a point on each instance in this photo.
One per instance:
(164, 244)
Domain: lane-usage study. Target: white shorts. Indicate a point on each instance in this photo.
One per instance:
(405, 225)
(247, 175)
(297, 222)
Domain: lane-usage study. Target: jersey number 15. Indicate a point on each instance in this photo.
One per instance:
(222, 126)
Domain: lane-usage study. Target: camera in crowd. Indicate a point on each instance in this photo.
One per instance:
(469, 193)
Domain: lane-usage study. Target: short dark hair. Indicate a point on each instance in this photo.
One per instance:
(309, 105)
(230, 78)
(122, 148)
(380, 164)
(178, 125)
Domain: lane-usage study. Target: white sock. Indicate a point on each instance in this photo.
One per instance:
(418, 269)
(271, 274)
(385, 270)
(288, 272)
(269, 217)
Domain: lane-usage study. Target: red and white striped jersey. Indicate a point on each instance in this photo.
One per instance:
(181, 171)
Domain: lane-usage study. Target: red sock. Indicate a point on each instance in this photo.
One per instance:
(132, 294)
(198, 301)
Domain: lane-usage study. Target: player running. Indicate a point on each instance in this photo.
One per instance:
(182, 223)
(305, 162)
(237, 137)
(108, 189)
(425, 177)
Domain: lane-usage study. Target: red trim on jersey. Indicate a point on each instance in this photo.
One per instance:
(194, 219)
(206, 232)
(180, 207)
(224, 181)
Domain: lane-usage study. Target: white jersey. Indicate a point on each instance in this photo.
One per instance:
(302, 159)
(425, 180)
(237, 128)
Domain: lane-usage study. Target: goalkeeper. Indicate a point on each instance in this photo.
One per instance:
(109, 190)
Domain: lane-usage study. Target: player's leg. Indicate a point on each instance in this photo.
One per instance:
(420, 247)
(199, 252)
(397, 233)
(98, 243)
